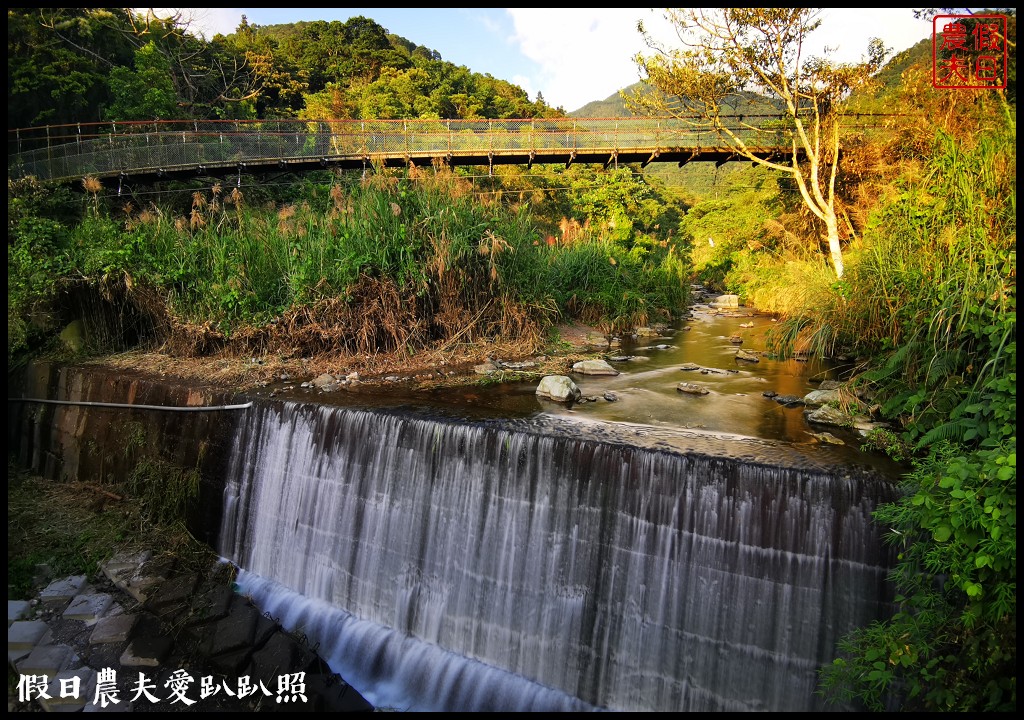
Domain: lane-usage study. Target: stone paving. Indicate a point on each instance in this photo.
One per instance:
(158, 640)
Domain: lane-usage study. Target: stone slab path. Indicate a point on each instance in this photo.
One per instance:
(143, 636)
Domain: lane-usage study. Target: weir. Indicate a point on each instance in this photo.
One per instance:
(544, 564)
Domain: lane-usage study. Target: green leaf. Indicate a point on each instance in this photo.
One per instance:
(942, 533)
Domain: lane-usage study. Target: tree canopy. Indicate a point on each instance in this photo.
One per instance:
(80, 65)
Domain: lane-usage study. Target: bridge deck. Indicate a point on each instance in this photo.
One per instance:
(190, 148)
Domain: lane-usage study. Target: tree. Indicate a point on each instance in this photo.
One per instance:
(756, 55)
(147, 93)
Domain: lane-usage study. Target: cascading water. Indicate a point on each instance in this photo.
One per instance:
(500, 566)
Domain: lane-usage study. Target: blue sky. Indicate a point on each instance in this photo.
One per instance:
(571, 55)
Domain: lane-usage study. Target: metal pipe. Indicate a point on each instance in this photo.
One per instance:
(198, 408)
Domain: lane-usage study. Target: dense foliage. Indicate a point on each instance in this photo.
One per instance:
(81, 65)
(933, 299)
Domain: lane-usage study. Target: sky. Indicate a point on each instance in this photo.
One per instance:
(571, 55)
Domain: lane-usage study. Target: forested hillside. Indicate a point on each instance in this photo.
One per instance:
(72, 65)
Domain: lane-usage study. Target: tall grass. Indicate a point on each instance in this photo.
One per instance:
(932, 294)
(387, 263)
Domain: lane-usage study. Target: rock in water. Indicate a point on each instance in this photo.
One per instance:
(558, 388)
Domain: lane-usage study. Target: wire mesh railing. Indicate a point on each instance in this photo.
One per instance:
(68, 152)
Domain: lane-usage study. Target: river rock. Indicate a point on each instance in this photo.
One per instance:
(828, 415)
(789, 400)
(736, 340)
(828, 438)
(599, 342)
(745, 356)
(558, 388)
(610, 396)
(726, 301)
(830, 385)
(325, 382)
(692, 388)
(646, 332)
(690, 366)
(485, 368)
(524, 365)
(821, 397)
(594, 367)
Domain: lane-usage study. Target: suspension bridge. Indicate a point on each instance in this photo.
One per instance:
(179, 149)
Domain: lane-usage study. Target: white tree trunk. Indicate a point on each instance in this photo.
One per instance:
(832, 224)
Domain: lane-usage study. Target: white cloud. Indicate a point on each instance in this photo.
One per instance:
(586, 54)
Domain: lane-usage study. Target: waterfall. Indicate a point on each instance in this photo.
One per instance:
(497, 565)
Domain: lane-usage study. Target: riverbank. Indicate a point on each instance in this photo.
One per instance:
(440, 367)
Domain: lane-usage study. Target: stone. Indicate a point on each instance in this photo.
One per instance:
(736, 340)
(816, 398)
(690, 366)
(233, 632)
(113, 629)
(524, 365)
(599, 342)
(485, 368)
(146, 651)
(827, 438)
(828, 415)
(745, 356)
(25, 634)
(17, 610)
(78, 687)
(174, 595)
(610, 396)
(769, 394)
(691, 389)
(830, 385)
(730, 301)
(789, 400)
(558, 388)
(123, 565)
(324, 381)
(61, 591)
(88, 608)
(48, 660)
(594, 367)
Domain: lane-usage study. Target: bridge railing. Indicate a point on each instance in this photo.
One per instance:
(105, 149)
